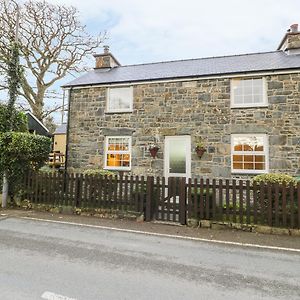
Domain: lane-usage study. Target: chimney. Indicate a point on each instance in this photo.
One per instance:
(106, 60)
(290, 43)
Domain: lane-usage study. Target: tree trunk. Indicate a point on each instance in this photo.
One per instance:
(4, 190)
(38, 112)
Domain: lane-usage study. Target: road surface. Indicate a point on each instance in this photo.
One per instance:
(42, 260)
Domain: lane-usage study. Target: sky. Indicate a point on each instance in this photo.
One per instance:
(147, 31)
(141, 31)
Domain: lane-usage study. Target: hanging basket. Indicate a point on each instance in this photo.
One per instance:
(200, 151)
(153, 151)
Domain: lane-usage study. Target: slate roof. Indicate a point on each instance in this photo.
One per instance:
(62, 129)
(34, 124)
(236, 64)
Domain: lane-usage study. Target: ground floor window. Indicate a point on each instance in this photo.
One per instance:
(118, 152)
(249, 153)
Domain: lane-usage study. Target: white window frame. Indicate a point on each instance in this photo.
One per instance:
(106, 152)
(243, 105)
(109, 110)
(265, 153)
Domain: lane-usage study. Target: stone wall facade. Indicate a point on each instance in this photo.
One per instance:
(199, 108)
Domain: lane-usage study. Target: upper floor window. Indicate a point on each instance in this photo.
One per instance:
(119, 99)
(249, 153)
(248, 92)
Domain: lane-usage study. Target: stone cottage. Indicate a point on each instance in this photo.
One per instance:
(243, 110)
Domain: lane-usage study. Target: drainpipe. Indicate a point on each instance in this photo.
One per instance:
(68, 126)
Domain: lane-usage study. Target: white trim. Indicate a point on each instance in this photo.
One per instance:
(186, 79)
(247, 105)
(187, 139)
(117, 152)
(130, 109)
(30, 113)
(265, 153)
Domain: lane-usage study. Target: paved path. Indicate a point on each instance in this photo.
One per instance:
(40, 259)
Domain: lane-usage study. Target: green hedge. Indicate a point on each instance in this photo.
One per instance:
(21, 152)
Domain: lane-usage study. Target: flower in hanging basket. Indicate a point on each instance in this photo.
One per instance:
(200, 148)
(200, 151)
(153, 148)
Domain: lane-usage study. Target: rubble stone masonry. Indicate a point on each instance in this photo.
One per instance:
(199, 108)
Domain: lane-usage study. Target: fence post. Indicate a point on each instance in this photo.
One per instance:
(182, 201)
(79, 187)
(149, 197)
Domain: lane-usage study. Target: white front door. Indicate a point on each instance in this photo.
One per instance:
(178, 156)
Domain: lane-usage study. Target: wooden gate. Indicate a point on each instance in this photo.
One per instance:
(169, 200)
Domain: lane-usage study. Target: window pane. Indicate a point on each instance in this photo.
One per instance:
(239, 99)
(177, 156)
(248, 166)
(257, 98)
(260, 166)
(237, 158)
(248, 90)
(113, 160)
(248, 99)
(237, 166)
(248, 158)
(257, 82)
(258, 90)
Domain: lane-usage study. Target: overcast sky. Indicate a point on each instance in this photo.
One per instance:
(142, 31)
(155, 30)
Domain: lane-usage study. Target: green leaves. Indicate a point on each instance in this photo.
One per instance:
(19, 119)
(275, 178)
(20, 152)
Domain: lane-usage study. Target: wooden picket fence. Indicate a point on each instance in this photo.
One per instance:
(173, 199)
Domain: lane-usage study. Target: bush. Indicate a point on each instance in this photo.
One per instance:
(21, 152)
(47, 170)
(275, 178)
(102, 172)
(19, 119)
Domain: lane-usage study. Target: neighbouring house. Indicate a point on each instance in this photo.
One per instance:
(57, 157)
(35, 126)
(60, 138)
(242, 109)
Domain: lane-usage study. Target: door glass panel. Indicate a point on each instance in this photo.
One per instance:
(177, 156)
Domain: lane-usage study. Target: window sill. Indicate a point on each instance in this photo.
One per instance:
(118, 112)
(249, 106)
(249, 172)
(117, 169)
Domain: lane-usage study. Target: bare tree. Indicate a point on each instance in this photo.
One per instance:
(52, 42)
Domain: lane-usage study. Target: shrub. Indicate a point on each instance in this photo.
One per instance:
(47, 170)
(280, 179)
(275, 178)
(20, 152)
(102, 172)
(19, 119)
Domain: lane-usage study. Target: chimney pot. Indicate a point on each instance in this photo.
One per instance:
(106, 49)
(294, 28)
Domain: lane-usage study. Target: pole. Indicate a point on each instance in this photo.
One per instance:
(63, 107)
(4, 190)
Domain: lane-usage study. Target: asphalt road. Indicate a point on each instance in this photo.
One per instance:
(41, 260)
